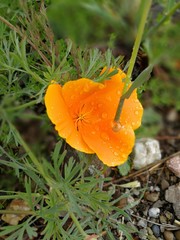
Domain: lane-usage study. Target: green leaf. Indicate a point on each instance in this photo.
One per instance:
(124, 168)
(142, 78)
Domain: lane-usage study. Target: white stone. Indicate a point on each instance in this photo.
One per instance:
(154, 212)
(146, 151)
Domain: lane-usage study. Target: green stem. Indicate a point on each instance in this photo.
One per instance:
(78, 225)
(22, 106)
(145, 11)
(17, 196)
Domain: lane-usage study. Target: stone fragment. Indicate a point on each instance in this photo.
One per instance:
(16, 205)
(158, 204)
(146, 151)
(156, 230)
(152, 197)
(154, 212)
(162, 219)
(143, 234)
(172, 115)
(164, 184)
(172, 195)
(174, 165)
(168, 235)
(142, 223)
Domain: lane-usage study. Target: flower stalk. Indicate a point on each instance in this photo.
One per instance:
(145, 11)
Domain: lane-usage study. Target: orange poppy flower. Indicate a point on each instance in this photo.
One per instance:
(83, 112)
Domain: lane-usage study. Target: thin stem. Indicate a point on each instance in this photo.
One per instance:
(17, 196)
(22, 106)
(78, 225)
(145, 11)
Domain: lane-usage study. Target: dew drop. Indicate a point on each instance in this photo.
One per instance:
(119, 92)
(133, 123)
(104, 136)
(125, 133)
(116, 154)
(136, 112)
(101, 86)
(124, 156)
(104, 115)
(93, 132)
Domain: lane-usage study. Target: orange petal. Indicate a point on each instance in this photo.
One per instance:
(111, 148)
(74, 92)
(132, 111)
(58, 113)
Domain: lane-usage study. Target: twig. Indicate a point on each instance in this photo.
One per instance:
(143, 170)
(164, 225)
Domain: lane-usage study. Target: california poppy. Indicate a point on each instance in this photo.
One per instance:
(83, 112)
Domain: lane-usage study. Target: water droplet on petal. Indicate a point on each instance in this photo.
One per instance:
(116, 153)
(93, 132)
(133, 123)
(101, 86)
(119, 92)
(136, 112)
(124, 155)
(104, 136)
(104, 115)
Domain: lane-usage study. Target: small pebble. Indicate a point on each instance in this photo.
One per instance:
(154, 212)
(162, 219)
(177, 235)
(136, 192)
(158, 204)
(152, 197)
(150, 232)
(146, 151)
(164, 184)
(143, 234)
(169, 215)
(142, 223)
(168, 235)
(157, 189)
(172, 115)
(174, 165)
(156, 230)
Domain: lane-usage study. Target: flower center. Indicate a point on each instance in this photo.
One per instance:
(82, 116)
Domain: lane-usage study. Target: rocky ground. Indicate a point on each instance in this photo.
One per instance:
(157, 214)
